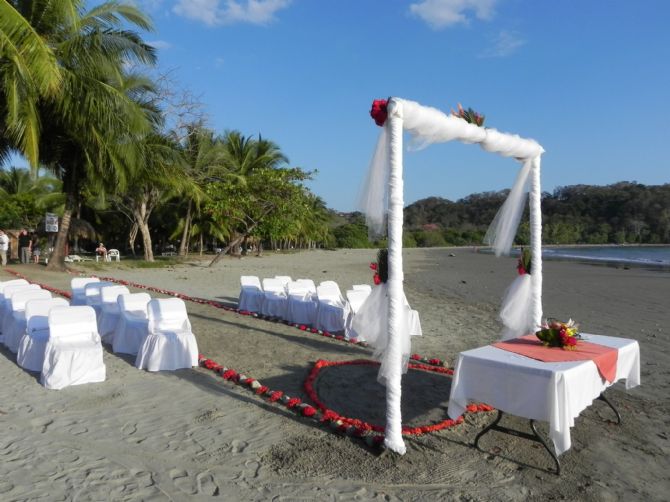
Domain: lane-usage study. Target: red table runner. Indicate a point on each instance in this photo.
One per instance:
(605, 358)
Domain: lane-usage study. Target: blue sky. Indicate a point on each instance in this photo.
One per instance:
(589, 80)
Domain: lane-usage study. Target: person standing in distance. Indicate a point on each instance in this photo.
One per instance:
(24, 246)
(4, 246)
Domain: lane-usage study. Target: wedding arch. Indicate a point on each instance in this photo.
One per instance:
(383, 199)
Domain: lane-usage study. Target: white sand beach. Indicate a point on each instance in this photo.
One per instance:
(190, 435)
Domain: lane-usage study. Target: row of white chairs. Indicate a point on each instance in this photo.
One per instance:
(50, 336)
(157, 331)
(302, 302)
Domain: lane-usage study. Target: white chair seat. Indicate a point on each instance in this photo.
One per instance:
(73, 353)
(167, 350)
(133, 325)
(251, 294)
(33, 343)
(170, 343)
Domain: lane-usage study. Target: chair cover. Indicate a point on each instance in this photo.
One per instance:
(78, 285)
(14, 323)
(309, 283)
(285, 279)
(73, 353)
(93, 294)
(301, 304)
(170, 344)
(251, 294)
(5, 305)
(362, 287)
(356, 298)
(33, 343)
(275, 299)
(133, 325)
(333, 310)
(109, 314)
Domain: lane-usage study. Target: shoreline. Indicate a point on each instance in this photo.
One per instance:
(210, 437)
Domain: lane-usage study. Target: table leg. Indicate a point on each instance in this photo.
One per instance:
(493, 426)
(609, 403)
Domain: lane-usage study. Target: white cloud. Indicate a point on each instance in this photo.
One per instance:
(443, 13)
(220, 12)
(505, 44)
(160, 44)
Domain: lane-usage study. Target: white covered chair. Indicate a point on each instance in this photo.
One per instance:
(5, 304)
(251, 294)
(93, 294)
(78, 285)
(33, 343)
(133, 325)
(109, 312)
(275, 299)
(14, 323)
(301, 304)
(333, 310)
(356, 298)
(285, 279)
(73, 353)
(170, 343)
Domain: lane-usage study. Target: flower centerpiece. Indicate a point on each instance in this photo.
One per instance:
(379, 111)
(469, 115)
(381, 267)
(559, 334)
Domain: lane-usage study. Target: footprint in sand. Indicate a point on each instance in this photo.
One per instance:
(181, 480)
(207, 485)
(129, 429)
(41, 423)
(238, 446)
(78, 429)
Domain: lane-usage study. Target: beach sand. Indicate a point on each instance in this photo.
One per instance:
(190, 435)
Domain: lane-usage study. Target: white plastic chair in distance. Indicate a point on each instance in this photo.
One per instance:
(109, 311)
(73, 353)
(356, 298)
(113, 254)
(170, 343)
(33, 343)
(333, 310)
(275, 299)
(5, 305)
(133, 325)
(301, 304)
(78, 285)
(14, 323)
(93, 293)
(251, 294)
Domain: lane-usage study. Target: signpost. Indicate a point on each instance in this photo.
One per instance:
(51, 223)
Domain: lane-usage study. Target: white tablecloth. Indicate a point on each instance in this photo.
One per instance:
(553, 392)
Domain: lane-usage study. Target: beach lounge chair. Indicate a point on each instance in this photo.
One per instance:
(301, 304)
(356, 298)
(78, 285)
(14, 323)
(333, 310)
(251, 294)
(73, 353)
(133, 325)
(275, 299)
(109, 311)
(170, 343)
(32, 345)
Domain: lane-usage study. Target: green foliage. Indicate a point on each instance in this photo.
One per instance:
(351, 235)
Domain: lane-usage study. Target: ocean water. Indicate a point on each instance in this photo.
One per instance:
(644, 256)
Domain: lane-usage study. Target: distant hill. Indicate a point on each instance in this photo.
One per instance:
(625, 212)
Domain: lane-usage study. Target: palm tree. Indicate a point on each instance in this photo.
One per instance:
(92, 126)
(29, 72)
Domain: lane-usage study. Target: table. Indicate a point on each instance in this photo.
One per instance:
(551, 392)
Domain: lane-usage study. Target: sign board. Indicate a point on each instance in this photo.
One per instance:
(51, 222)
